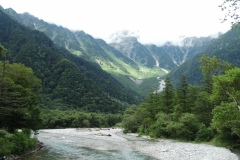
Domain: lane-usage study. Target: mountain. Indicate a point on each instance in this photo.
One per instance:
(167, 56)
(179, 53)
(131, 48)
(67, 81)
(134, 65)
(122, 68)
(226, 47)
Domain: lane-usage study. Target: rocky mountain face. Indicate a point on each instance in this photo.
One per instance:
(226, 47)
(167, 56)
(131, 48)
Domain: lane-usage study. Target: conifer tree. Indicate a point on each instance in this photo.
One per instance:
(168, 96)
(182, 94)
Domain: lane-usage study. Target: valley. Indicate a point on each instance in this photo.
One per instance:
(124, 57)
(67, 83)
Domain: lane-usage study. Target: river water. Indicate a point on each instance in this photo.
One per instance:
(68, 146)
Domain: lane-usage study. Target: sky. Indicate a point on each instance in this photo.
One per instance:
(152, 21)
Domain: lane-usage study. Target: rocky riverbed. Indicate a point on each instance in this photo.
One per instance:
(109, 139)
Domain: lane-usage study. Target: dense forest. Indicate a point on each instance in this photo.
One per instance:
(19, 91)
(191, 112)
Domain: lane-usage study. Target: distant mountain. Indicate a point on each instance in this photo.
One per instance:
(185, 49)
(226, 47)
(134, 65)
(67, 81)
(131, 48)
(122, 68)
(167, 56)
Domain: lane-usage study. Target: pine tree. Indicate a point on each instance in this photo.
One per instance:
(182, 94)
(168, 96)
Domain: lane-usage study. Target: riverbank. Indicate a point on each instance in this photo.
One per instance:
(15, 157)
(107, 139)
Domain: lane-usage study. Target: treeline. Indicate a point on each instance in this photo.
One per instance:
(192, 112)
(77, 119)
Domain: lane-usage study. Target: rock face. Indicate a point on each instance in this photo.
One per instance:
(167, 56)
(131, 48)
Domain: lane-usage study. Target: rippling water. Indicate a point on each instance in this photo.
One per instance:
(66, 148)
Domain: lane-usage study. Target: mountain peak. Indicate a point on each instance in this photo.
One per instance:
(120, 36)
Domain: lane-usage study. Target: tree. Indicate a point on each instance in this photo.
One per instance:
(226, 88)
(182, 94)
(212, 66)
(19, 92)
(231, 7)
(226, 117)
(168, 96)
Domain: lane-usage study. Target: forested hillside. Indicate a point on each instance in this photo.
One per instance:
(65, 84)
(226, 47)
(208, 113)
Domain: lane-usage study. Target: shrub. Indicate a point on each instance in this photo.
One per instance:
(204, 134)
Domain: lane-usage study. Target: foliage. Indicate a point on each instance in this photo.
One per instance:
(15, 143)
(226, 118)
(227, 88)
(231, 8)
(77, 119)
(19, 90)
(193, 113)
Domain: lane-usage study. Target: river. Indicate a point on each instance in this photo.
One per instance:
(112, 144)
(72, 146)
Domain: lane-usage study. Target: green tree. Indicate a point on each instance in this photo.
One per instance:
(182, 95)
(19, 92)
(212, 67)
(129, 122)
(226, 88)
(227, 117)
(168, 96)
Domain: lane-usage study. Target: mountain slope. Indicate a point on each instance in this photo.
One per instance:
(226, 47)
(134, 65)
(64, 84)
(121, 67)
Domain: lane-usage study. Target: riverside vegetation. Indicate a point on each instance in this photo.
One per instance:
(19, 99)
(208, 113)
(44, 86)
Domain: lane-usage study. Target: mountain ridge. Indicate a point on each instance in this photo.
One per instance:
(125, 59)
(65, 84)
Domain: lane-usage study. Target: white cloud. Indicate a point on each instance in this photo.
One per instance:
(157, 21)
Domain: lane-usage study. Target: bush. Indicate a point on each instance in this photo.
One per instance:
(158, 129)
(16, 143)
(6, 147)
(204, 134)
